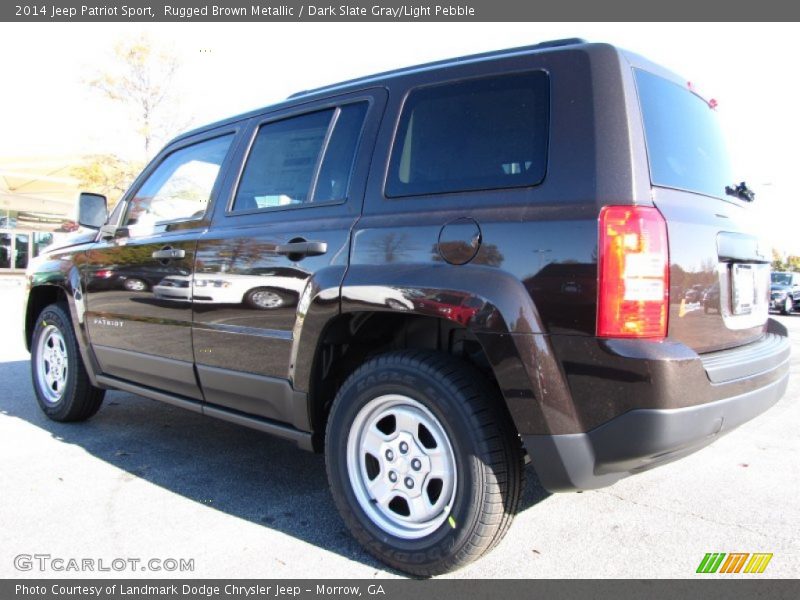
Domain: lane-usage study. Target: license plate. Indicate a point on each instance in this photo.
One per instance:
(744, 289)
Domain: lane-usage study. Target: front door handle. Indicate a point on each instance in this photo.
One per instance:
(302, 248)
(169, 253)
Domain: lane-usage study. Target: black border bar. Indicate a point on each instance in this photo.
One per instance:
(703, 587)
(395, 10)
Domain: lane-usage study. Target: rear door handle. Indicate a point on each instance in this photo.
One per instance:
(302, 248)
(168, 253)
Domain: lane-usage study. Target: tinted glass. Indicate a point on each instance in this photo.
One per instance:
(685, 145)
(477, 134)
(21, 258)
(282, 162)
(179, 188)
(334, 174)
(41, 241)
(5, 250)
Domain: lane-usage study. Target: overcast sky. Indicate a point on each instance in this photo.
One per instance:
(46, 109)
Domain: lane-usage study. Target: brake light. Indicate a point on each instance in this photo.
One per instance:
(633, 273)
(104, 274)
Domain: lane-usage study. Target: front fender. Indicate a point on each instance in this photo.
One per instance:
(55, 278)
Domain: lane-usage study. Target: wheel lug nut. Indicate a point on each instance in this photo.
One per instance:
(392, 476)
(416, 464)
(403, 447)
(409, 482)
(389, 455)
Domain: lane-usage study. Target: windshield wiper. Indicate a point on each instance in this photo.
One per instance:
(741, 191)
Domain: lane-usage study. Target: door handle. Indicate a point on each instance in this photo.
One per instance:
(169, 253)
(302, 248)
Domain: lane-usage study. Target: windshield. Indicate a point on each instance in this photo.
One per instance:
(782, 278)
(685, 145)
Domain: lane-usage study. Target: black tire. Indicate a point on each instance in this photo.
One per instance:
(488, 456)
(72, 397)
(788, 306)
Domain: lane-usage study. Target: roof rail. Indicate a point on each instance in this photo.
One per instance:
(455, 60)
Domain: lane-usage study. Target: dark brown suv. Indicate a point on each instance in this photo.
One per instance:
(429, 274)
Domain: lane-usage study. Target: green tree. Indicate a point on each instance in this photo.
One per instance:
(777, 261)
(793, 263)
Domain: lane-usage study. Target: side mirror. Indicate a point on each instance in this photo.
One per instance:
(92, 210)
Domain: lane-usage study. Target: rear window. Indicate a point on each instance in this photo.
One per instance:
(685, 146)
(471, 135)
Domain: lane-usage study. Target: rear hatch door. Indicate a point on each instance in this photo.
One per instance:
(719, 268)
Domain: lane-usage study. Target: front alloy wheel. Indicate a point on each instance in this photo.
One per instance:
(63, 388)
(52, 362)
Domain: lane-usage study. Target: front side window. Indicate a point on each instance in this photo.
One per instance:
(478, 134)
(300, 160)
(179, 189)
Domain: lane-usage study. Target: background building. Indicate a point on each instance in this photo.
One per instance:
(38, 200)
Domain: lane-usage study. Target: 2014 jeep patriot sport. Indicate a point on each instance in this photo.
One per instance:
(429, 274)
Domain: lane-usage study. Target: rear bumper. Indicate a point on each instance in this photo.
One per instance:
(745, 383)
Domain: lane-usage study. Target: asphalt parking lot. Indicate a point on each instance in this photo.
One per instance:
(146, 480)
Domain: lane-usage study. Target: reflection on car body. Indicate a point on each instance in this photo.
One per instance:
(255, 291)
(378, 295)
(134, 278)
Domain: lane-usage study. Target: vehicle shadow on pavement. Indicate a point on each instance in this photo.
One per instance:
(239, 471)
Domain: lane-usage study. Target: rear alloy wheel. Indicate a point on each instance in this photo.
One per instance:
(62, 386)
(263, 299)
(401, 466)
(135, 285)
(424, 463)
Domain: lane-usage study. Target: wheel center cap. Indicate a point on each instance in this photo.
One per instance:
(408, 466)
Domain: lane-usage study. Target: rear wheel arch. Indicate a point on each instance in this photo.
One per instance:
(351, 339)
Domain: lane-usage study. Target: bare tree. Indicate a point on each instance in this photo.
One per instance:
(142, 80)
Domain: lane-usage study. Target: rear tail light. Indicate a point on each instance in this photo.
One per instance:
(633, 269)
(104, 274)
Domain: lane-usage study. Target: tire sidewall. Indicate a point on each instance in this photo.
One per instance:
(441, 400)
(55, 316)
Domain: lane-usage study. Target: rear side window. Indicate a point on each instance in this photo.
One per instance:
(477, 134)
(301, 160)
(685, 146)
